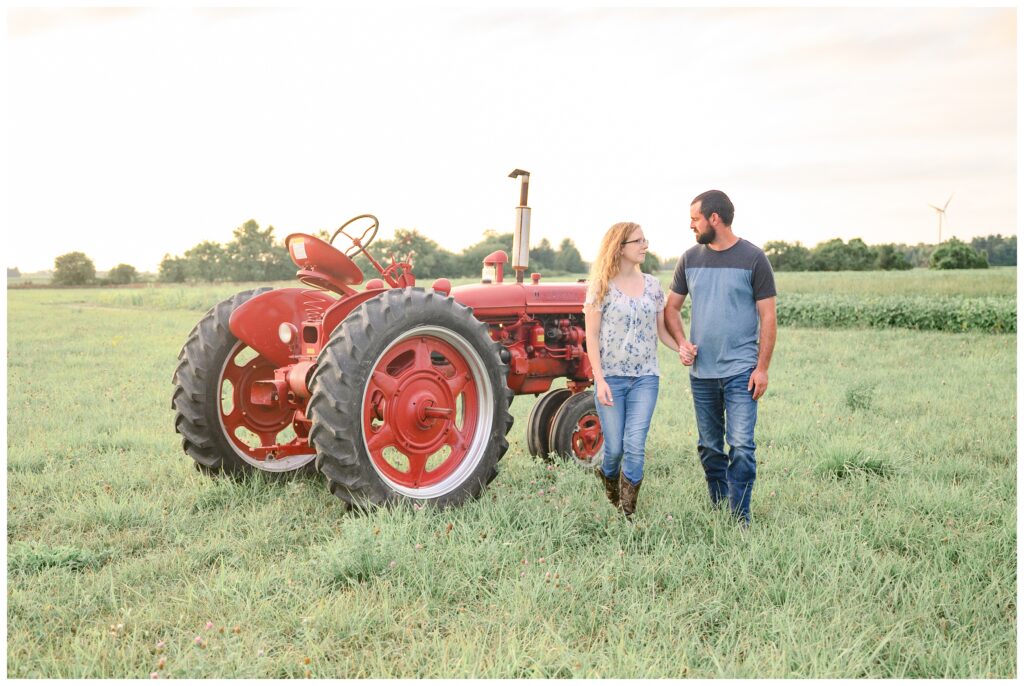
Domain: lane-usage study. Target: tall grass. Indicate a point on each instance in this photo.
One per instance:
(883, 542)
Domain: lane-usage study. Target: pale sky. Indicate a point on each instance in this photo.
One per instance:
(135, 133)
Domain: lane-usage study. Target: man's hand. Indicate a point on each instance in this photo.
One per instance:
(687, 353)
(603, 392)
(758, 383)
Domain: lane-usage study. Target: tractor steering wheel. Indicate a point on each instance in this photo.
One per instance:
(358, 244)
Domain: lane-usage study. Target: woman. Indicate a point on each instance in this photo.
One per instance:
(624, 313)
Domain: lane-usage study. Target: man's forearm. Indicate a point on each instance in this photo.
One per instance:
(766, 344)
(674, 326)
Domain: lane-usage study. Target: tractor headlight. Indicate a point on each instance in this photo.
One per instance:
(286, 332)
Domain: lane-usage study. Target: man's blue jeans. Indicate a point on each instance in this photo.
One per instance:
(726, 407)
(625, 424)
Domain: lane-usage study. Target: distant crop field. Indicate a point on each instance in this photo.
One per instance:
(883, 544)
(970, 283)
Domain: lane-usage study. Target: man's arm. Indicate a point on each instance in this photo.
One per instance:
(766, 345)
(674, 327)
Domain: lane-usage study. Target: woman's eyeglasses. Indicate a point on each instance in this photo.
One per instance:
(641, 241)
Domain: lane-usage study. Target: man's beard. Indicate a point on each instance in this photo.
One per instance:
(706, 237)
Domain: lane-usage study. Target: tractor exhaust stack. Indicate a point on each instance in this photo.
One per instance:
(521, 236)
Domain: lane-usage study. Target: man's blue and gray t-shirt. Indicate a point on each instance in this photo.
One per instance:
(724, 287)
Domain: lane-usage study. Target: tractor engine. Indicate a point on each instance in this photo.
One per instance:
(539, 325)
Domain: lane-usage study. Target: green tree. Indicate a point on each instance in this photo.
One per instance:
(122, 274)
(206, 262)
(172, 270)
(889, 258)
(1001, 251)
(73, 269)
(542, 257)
(568, 258)
(253, 256)
(652, 264)
(429, 260)
(787, 257)
(955, 254)
(835, 255)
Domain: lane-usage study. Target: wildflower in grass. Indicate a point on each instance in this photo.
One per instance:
(668, 517)
(393, 564)
(259, 653)
(160, 645)
(162, 663)
(198, 640)
(541, 560)
(522, 574)
(540, 492)
(154, 675)
(306, 660)
(209, 625)
(418, 546)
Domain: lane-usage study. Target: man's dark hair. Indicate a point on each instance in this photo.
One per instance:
(716, 201)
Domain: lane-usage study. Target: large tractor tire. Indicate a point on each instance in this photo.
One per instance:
(538, 426)
(409, 403)
(219, 425)
(576, 433)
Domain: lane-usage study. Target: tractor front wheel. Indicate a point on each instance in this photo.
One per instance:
(538, 426)
(409, 402)
(576, 430)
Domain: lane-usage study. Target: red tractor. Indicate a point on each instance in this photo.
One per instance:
(393, 392)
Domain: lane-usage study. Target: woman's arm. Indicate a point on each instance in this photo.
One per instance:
(592, 322)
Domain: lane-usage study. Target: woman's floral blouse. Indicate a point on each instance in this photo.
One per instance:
(629, 329)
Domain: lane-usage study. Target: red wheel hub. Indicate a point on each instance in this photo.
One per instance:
(266, 422)
(413, 400)
(587, 438)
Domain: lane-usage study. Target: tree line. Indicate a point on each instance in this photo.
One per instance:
(253, 254)
(855, 255)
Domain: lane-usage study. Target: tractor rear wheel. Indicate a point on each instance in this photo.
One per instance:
(221, 429)
(538, 426)
(409, 403)
(576, 430)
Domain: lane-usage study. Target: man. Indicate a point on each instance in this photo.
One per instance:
(732, 290)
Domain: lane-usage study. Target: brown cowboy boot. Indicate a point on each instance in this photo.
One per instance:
(627, 494)
(611, 486)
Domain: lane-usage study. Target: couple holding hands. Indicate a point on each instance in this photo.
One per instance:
(732, 336)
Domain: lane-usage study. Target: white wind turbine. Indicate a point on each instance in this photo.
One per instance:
(942, 213)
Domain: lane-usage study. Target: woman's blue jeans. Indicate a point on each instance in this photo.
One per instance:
(625, 424)
(726, 407)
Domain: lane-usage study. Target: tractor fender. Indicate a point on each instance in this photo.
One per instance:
(341, 309)
(256, 322)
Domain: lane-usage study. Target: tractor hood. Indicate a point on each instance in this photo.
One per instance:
(510, 300)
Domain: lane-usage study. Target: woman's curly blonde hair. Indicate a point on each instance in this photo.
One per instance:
(606, 265)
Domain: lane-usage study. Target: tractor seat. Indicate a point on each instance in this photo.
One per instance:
(321, 265)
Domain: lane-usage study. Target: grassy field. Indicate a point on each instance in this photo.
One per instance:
(883, 542)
